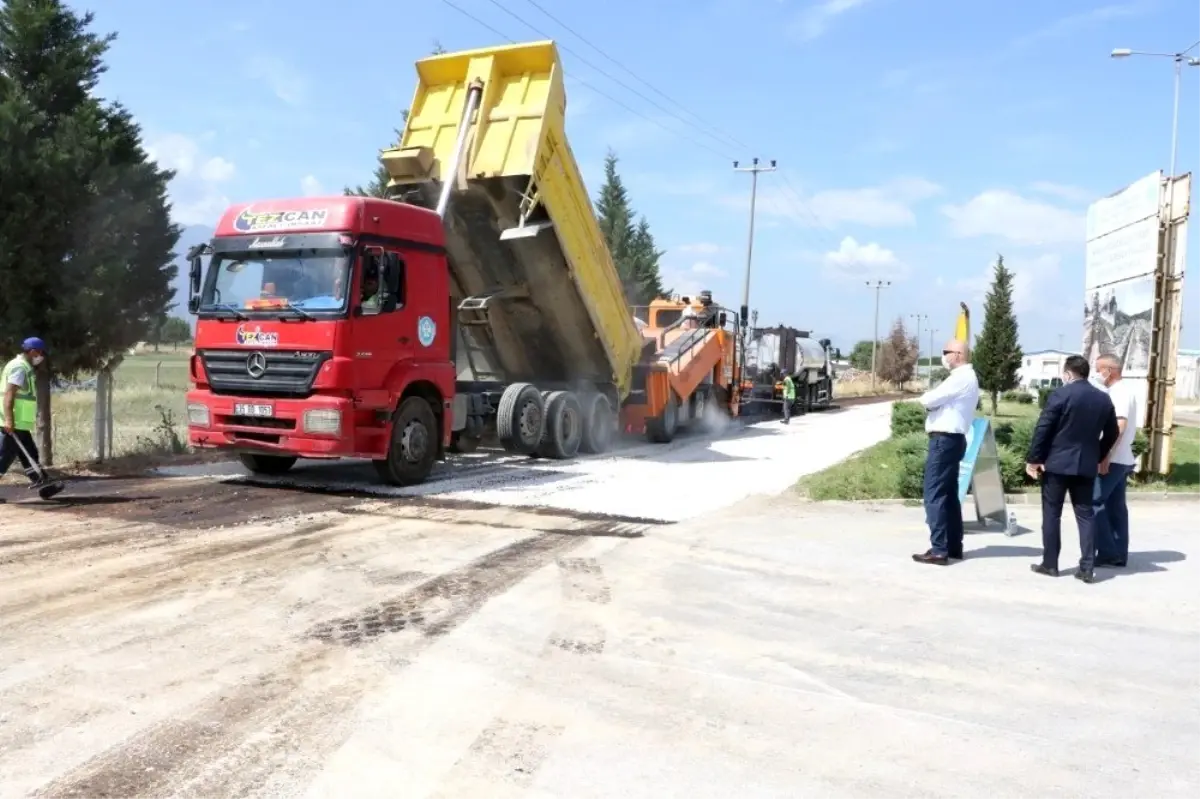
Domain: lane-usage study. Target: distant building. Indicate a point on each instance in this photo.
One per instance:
(1042, 368)
(1187, 375)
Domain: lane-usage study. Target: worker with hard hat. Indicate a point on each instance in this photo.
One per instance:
(18, 411)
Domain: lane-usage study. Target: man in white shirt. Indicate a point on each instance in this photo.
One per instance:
(1108, 499)
(951, 408)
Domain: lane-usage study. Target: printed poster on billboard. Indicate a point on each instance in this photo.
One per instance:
(1119, 280)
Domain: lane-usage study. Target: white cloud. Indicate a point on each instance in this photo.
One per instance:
(707, 269)
(285, 81)
(1031, 277)
(815, 20)
(1007, 215)
(887, 205)
(311, 186)
(196, 191)
(1065, 26)
(699, 248)
(1072, 194)
(871, 261)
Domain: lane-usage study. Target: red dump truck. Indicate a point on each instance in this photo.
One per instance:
(480, 299)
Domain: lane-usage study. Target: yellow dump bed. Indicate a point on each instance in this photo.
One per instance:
(549, 305)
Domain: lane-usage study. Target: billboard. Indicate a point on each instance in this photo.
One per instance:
(1119, 276)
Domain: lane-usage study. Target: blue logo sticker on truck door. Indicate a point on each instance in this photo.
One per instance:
(426, 331)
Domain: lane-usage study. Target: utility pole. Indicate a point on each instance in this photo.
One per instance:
(919, 317)
(753, 169)
(878, 285)
(932, 332)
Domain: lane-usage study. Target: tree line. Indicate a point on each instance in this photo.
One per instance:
(995, 355)
(86, 238)
(627, 233)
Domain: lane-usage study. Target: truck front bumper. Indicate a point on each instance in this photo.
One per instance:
(315, 427)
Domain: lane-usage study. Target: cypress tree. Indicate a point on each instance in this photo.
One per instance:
(997, 352)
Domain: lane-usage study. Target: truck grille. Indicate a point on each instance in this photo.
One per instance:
(262, 373)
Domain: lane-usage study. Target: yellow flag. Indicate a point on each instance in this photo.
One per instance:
(962, 329)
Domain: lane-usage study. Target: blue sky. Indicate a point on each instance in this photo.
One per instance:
(916, 139)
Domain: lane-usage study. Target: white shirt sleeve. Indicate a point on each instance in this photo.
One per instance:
(18, 377)
(950, 389)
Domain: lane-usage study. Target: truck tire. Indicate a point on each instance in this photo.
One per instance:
(563, 430)
(662, 428)
(267, 464)
(599, 426)
(413, 447)
(521, 418)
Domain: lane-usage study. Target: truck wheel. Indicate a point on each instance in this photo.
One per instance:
(413, 447)
(520, 418)
(267, 464)
(598, 425)
(564, 426)
(662, 428)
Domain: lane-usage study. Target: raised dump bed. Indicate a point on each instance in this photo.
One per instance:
(539, 299)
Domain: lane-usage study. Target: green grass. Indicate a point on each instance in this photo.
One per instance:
(873, 472)
(140, 409)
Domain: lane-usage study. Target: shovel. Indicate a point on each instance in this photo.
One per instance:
(45, 487)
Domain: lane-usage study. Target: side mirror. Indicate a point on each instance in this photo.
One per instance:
(195, 274)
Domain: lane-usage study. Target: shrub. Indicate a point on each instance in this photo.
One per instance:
(912, 444)
(1013, 396)
(1044, 396)
(1021, 437)
(1141, 444)
(1012, 470)
(910, 477)
(1003, 433)
(907, 418)
(1024, 398)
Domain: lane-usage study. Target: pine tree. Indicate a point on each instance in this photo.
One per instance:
(997, 352)
(84, 218)
(632, 247)
(378, 187)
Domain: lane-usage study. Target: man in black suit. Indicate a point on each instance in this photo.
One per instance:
(1075, 432)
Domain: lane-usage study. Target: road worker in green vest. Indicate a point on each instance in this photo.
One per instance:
(18, 415)
(789, 397)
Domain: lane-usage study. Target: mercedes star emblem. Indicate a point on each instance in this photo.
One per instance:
(256, 365)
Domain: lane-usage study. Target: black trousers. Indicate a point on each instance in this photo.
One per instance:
(1055, 490)
(9, 451)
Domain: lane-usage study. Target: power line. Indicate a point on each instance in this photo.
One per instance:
(733, 140)
(589, 86)
(657, 105)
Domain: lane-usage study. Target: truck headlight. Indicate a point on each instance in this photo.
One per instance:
(198, 415)
(323, 421)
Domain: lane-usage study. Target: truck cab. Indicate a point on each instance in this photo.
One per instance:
(318, 319)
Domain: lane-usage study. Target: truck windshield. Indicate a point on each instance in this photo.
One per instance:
(295, 281)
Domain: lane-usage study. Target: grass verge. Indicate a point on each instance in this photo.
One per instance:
(886, 470)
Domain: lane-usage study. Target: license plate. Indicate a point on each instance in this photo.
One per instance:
(252, 409)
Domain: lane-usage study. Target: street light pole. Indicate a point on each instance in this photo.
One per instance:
(919, 317)
(1181, 60)
(878, 285)
(753, 169)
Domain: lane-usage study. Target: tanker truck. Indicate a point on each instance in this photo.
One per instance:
(775, 352)
(480, 298)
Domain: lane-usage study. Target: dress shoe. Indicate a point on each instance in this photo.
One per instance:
(1088, 576)
(1049, 571)
(931, 558)
(1110, 564)
(955, 554)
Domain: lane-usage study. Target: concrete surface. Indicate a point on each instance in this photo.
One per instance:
(777, 649)
(695, 475)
